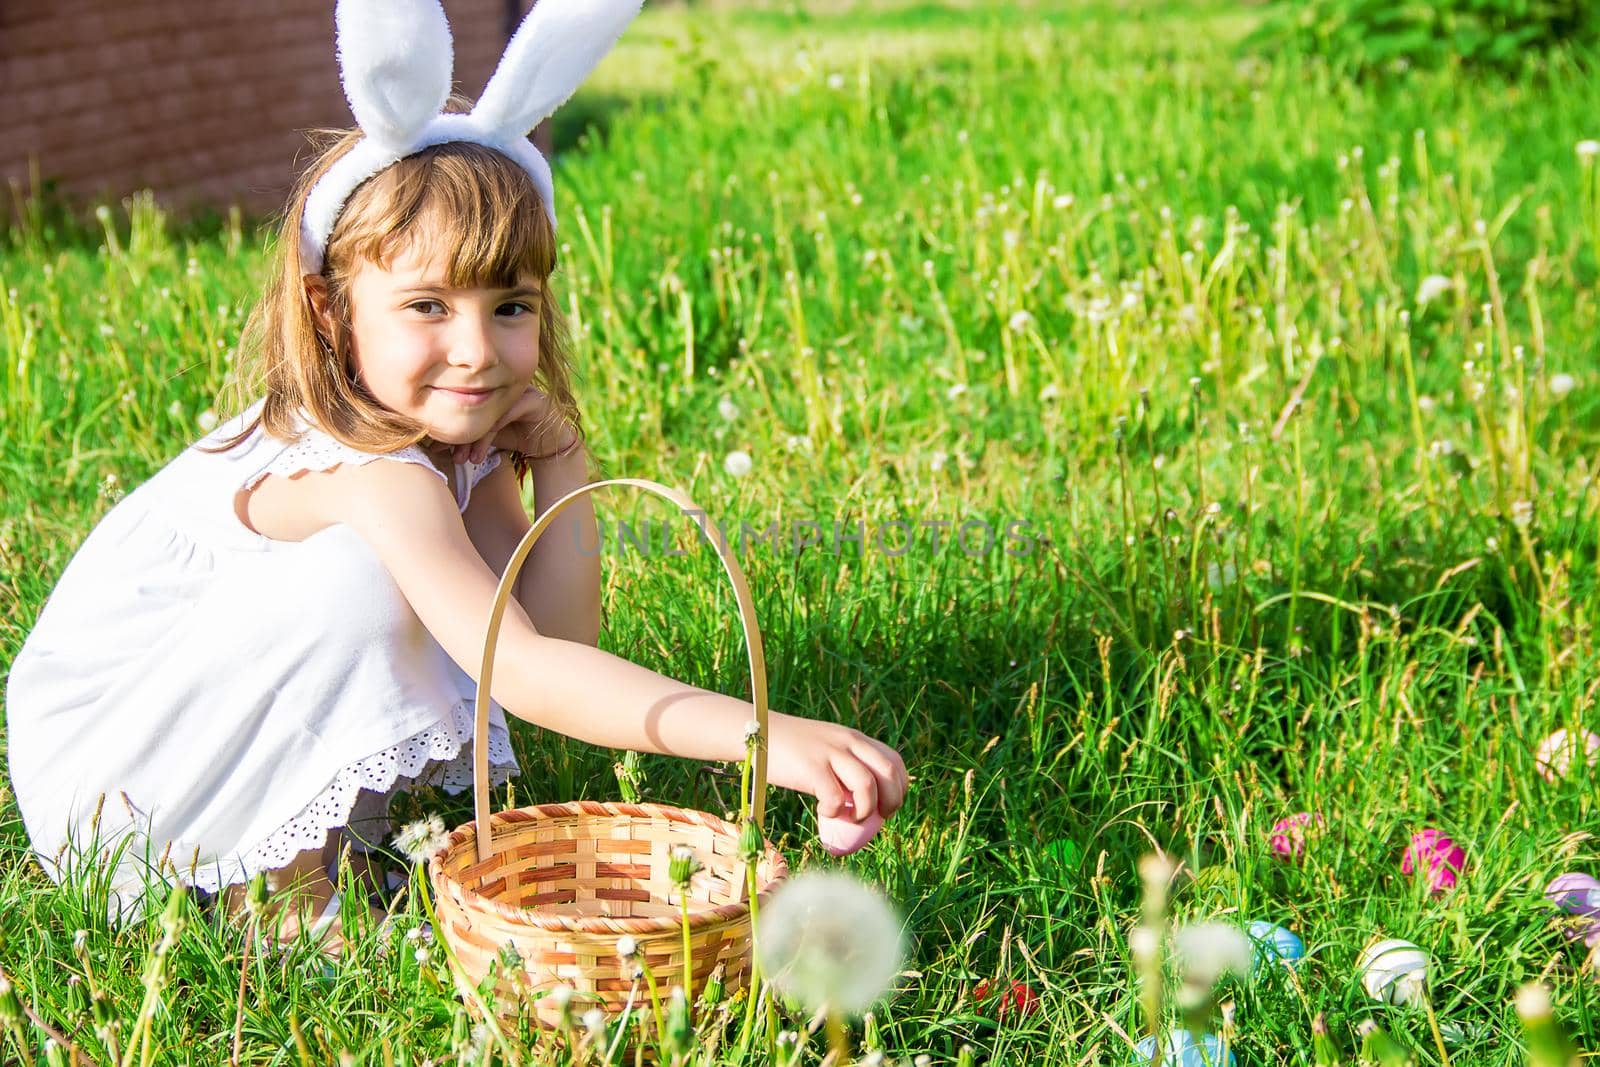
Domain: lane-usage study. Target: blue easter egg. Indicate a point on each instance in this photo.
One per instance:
(1274, 944)
(1181, 1050)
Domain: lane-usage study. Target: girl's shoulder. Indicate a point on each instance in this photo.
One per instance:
(286, 498)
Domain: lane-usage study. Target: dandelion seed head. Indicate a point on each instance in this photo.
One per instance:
(828, 939)
(1207, 951)
(738, 463)
(421, 839)
(1588, 149)
(1432, 288)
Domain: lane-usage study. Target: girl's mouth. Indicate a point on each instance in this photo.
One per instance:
(469, 397)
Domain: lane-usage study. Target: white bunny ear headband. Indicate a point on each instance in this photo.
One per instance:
(395, 59)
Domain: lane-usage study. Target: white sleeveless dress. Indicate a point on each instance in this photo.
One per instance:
(233, 698)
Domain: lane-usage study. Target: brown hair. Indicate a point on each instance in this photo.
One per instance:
(491, 221)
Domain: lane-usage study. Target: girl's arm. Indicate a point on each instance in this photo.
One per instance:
(409, 518)
(559, 584)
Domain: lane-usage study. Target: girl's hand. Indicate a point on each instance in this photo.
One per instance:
(835, 764)
(532, 426)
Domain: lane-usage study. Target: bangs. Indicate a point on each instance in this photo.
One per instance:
(470, 206)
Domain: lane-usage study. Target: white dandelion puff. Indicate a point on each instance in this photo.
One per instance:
(1562, 384)
(955, 390)
(830, 941)
(938, 460)
(1019, 321)
(421, 839)
(1207, 951)
(1432, 288)
(627, 946)
(1049, 392)
(727, 409)
(738, 463)
(1587, 149)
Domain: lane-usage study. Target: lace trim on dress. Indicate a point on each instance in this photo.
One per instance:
(315, 451)
(439, 756)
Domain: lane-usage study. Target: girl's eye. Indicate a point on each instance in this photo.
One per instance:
(423, 306)
(420, 307)
(524, 307)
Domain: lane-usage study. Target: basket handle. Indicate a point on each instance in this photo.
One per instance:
(747, 617)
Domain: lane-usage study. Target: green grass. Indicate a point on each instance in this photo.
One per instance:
(1281, 557)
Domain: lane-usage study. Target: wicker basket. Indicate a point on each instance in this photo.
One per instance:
(560, 883)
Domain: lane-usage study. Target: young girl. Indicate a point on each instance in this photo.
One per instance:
(256, 648)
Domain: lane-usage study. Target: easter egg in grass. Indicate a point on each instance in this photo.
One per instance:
(1291, 835)
(1436, 856)
(1017, 997)
(1180, 1049)
(1575, 893)
(1064, 852)
(1275, 944)
(1559, 754)
(1394, 971)
(842, 834)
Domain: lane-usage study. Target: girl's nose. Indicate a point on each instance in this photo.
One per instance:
(473, 344)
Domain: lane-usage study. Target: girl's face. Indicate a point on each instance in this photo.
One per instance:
(454, 360)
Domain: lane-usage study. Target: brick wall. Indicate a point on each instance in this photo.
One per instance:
(200, 102)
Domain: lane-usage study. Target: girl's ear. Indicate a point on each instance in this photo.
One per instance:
(316, 289)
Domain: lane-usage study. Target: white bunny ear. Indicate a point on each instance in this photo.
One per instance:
(554, 49)
(395, 59)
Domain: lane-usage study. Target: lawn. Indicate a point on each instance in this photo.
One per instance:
(1219, 441)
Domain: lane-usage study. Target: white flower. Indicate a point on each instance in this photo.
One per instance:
(1562, 384)
(836, 81)
(421, 839)
(1019, 321)
(627, 946)
(208, 420)
(829, 940)
(938, 460)
(1426, 404)
(955, 390)
(1220, 577)
(422, 955)
(727, 409)
(175, 409)
(1588, 149)
(1432, 288)
(1062, 201)
(1207, 951)
(752, 732)
(594, 1021)
(1049, 392)
(1521, 513)
(738, 463)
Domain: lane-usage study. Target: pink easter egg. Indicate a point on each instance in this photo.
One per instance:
(842, 835)
(1442, 857)
(1558, 753)
(1289, 834)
